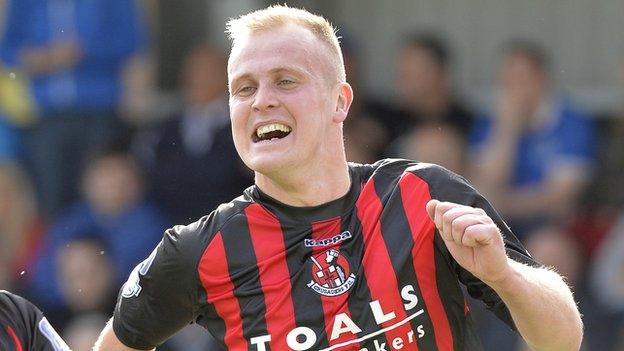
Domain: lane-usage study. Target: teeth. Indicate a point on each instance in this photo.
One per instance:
(262, 130)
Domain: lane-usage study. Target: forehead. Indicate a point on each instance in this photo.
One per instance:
(286, 47)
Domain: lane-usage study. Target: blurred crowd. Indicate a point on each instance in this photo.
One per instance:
(92, 170)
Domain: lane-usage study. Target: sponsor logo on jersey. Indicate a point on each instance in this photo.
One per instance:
(331, 274)
(132, 287)
(304, 338)
(329, 241)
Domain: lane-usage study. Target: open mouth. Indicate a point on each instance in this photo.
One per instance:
(270, 132)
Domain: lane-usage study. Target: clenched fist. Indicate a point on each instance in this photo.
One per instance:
(472, 238)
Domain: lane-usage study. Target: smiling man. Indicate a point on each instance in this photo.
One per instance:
(321, 254)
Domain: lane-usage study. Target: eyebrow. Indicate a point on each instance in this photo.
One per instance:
(271, 72)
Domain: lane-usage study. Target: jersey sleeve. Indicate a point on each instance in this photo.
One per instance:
(27, 322)
(161, 294)
(445, 185)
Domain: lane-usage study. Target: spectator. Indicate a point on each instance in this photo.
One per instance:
(536, 149)
(73, 52)
(21, 230)
(434, 144)
(191, 160)
(534, 156)
(86, 276)
(425, 84)
(426, 94)
(114, 209)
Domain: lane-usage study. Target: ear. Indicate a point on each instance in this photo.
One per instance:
(345, 98)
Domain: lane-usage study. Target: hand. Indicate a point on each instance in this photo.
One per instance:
(472, 238)
(513, 110)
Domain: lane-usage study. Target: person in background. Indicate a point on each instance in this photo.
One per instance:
(433, 144)
(72, 54)
(432, 112)
(190, 159)
(114, 210)
(24, 328)
(86, 277)
(536, 147)
(425, 84)
(532, 156)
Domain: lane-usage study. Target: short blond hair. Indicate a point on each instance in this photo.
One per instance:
(276, 16)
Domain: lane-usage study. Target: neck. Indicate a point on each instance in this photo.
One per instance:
(310, 187)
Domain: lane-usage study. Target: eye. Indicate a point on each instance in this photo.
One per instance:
(285, 82)
(246, 90)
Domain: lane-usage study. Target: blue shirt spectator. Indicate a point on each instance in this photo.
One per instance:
(128, 238)
(565, 138)
(105, 33)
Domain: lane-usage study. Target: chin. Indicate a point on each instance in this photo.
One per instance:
(268, 164)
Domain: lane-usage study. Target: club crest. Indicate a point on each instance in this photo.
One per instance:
(331, 274)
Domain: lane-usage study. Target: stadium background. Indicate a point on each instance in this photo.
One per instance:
(68, 245)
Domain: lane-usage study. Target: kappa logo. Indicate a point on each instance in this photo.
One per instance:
(331, 274)
(328, 242)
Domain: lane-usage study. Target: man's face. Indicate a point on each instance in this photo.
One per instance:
(418, 73)
(282, 99)
(520, 77)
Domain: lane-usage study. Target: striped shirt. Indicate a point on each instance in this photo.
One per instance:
(364, 272)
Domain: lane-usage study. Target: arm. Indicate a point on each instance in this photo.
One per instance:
(540, 303)
(108, 341)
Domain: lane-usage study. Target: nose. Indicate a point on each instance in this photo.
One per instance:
(264, 99)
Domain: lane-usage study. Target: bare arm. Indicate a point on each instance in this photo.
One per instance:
(542, 307)
(540, 303)
(108, 341)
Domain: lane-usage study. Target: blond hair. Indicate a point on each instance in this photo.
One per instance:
(276, 16)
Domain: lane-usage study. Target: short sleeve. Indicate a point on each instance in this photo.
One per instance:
(447, 186)
(160, 295)
(28, 324)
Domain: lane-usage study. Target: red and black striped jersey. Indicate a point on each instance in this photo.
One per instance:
(24, 328)
(367, 271)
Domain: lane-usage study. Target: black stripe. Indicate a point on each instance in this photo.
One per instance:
(462, 328)
(245, 276)
(210, 320)
(397, 235)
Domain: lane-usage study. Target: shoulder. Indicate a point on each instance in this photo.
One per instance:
(441, 183)
(396, 167)
(16, 309)
(200, 233)
(8, 300)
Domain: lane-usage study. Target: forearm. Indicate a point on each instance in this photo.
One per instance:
(542, 307)
(108, 341)
(554, 198)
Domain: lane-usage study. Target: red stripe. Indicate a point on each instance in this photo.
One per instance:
(382, 280)
(415, 195)
(215, 277)
(270, 250)
(16, 340)
(332, 305)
